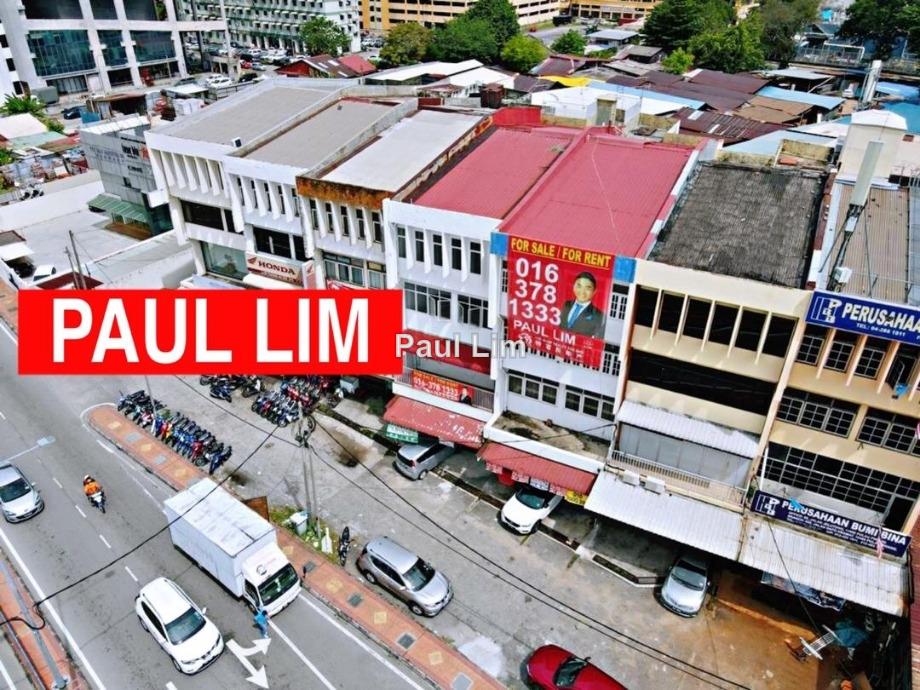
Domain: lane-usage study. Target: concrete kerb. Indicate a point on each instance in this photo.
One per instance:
(328, 582)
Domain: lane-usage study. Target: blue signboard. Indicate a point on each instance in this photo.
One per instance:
(833, 525)
(879, 319)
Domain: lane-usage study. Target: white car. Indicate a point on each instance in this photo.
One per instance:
(178, 625)
(529, 505)
(218, 82)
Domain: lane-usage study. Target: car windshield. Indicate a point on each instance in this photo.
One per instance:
(568, 672)
(690, 576)
(278, 585)
(15, 489)
(418, 575)
(533, 498)
(184, 626)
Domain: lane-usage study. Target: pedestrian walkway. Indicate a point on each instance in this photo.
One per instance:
(431, 656)
(9, 306)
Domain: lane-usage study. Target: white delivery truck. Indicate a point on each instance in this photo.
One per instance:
(236, 545)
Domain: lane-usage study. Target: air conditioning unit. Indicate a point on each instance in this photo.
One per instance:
(842, 274)
(630, 478)
(654, 485)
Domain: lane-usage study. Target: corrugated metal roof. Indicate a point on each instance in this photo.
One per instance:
(789, 107)
(690, 429)
(730, 128)
(768, 144)
(798, 73)
(754, 223)
(735, 82)
(247, 115)
(650, 92)
(558, 66)
(604, 194)
(825, 102)
(440, 69)
(434, 421)
(313, 140)
(673, 516)
(496, 174)
(613, 34)
(403, 150)
(555, 473)
(651, 100)
(828, 566)
(358, 64)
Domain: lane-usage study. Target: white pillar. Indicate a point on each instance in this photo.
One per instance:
(127, 42)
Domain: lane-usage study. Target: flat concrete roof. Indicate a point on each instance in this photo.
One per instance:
(246, 116)
(313, 140)
(403, 150)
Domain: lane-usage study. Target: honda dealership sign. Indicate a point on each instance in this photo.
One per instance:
(879, 319)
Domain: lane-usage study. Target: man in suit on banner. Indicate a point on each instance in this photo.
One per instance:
(580, 315)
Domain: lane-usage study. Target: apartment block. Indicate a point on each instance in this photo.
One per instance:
(381, 15)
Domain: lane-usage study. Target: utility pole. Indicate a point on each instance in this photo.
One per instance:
(76, 256)
(73, 270)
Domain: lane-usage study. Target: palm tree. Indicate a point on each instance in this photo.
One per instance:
(16, 105)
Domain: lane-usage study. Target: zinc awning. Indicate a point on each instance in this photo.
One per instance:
(673, 516)
(14, 250)
(553, 473)
(434, 421)
(118, 207)
(826, 565)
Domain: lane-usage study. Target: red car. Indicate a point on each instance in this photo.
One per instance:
(553, 668)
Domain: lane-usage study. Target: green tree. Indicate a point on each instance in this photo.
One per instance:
(523, 53)
(678, 61)
(6, 157)
(910, 24)
(570, 43)
(53, 125)
(17, 105)
(464, 39)
(672, 23)
(321, 36)
(738, 48)
(782, 20)
(501, 16)
(406, 44)
(878, 21)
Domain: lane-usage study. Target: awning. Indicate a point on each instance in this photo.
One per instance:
(258, 281)
(434, 421)
(114, 205)
(829, 566)
(687, 428)
(554, 473)
(459, 356)
(689, 521)
(197, 282)
(14, 250)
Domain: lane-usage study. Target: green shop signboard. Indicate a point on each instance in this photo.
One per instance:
(400, 433)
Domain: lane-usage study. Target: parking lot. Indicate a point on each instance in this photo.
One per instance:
(541, 590)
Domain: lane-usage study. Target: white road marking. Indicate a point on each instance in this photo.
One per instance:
(148, 493)
(2, 416)
(303, 657)
(170, 686)
(9, 333)
(6, 677)
(363, 645)
(72, 643)
(104, 446)
(54, 479)
(105, 542)
(80, 511)
(134, 577)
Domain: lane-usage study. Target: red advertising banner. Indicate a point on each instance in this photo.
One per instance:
(209, 331)
(441, 387)
(558, 298)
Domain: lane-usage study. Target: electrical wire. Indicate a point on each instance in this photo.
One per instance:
(548, 600)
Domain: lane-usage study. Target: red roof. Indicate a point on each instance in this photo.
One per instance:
(499, 171)
(434, 421)
(604, 194)
(555, 473)
(358, 64)
(464, 358)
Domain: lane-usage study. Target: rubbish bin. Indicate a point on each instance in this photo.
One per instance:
(299, 522)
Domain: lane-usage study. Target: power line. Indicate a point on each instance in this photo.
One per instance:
(548, 600)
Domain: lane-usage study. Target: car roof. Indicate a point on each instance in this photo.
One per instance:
(9, 473)
(394, 554)
(694, 559)
(414, 451)
(166, 598)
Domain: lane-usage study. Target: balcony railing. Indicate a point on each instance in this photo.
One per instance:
(482, 398)
(680, 479)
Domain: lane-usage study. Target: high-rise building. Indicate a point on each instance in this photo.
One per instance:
(276, 23)
(91, 45)
(381, 15)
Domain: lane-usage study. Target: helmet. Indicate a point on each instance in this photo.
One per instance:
(87, 479)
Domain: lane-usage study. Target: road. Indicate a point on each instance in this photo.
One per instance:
(59, 548)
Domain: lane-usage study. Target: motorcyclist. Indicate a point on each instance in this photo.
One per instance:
(91, 486)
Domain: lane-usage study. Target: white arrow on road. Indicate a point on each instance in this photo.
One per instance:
(256, 677)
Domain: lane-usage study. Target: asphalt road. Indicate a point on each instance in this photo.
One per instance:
(310, 648)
